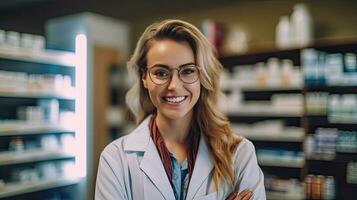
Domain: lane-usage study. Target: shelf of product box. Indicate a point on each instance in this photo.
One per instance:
(278, 105)
(261, 56)
(338, 158)
(276, 137)
(269, 131)
(284, 196)
(316, 121)
(278, 163)
(54, 57)
(278, 188)
(26, 156)
(274, 75)
(343, 121)
(39, 131)
(315, 114)
(280, 158)
(316, 103)
(340, 89)
(268, 88)
(13, 189)
(37, 94)
(262, 110)
(21, 127)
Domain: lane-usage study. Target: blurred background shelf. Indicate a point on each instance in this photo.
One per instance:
(297, 88)
(10, 158)
(283, 196)
(37, 99)
(31, 94)
(54, 57)
(280, 137)
(264, 112)
(339, 158)
(279, 163)
(341, 89)
(311, 117)
(35, 131)
(20, 127)
(13, 189)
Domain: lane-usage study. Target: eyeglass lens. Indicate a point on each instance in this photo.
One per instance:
(186, 73)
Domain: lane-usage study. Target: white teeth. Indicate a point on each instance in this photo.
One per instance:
(175, 99)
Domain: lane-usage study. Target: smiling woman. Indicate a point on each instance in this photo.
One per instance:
(183, 147)
(173, 98)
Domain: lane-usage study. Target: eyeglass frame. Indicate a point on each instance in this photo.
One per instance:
(147, 70)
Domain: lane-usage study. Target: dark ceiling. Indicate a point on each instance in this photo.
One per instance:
(14, 4)
(31, 15)
(123, 9)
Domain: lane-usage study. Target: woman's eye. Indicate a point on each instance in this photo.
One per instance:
(187, 71)
(161, 73)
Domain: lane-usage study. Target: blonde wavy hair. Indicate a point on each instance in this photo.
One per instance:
(206, 116)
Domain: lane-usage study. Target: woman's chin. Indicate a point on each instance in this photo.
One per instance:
(174, 114)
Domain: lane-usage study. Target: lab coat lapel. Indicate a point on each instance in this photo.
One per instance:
(203, 167)
(152, 166)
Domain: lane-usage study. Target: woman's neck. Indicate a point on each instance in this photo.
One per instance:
(174, 130)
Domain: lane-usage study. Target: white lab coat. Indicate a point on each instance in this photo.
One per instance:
(130, 168)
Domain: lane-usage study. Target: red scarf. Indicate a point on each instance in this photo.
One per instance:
(193, 141)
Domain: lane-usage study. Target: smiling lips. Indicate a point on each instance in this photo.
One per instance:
(174, 99)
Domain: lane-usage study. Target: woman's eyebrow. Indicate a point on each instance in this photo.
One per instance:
(168, 67)
(190, 63)
(160, 65)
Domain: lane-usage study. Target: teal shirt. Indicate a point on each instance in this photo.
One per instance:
(179, 174)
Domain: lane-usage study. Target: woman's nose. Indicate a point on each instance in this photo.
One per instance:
(175, 81)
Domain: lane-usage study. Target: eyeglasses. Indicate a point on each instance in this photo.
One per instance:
(160, 74)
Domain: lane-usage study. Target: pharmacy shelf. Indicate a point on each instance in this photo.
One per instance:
(233, 86)
(315, 114)
(38, 62)
(263, 112)
(261, 55)
(284, 196)
(40, 56)
(338, 158)
(18, 127)
(310, 122)
(342, 89)
(279, 163)
(10, 158)
(37, 131)
(322, 121)
(286, 134)
(280, 137)
(13, 189)
(344, 121)
(296, 88)
(36, 94)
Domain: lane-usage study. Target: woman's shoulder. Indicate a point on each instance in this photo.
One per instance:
(244, 149)
(244, 143)
(134, 141)
(114, 147)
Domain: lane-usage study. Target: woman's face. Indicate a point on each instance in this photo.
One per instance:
(173, 99)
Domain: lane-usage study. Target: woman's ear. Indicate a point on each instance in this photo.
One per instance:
(143, 78)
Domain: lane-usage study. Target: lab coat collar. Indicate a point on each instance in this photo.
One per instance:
(140, 140)
(203, 167)
(152, 166)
